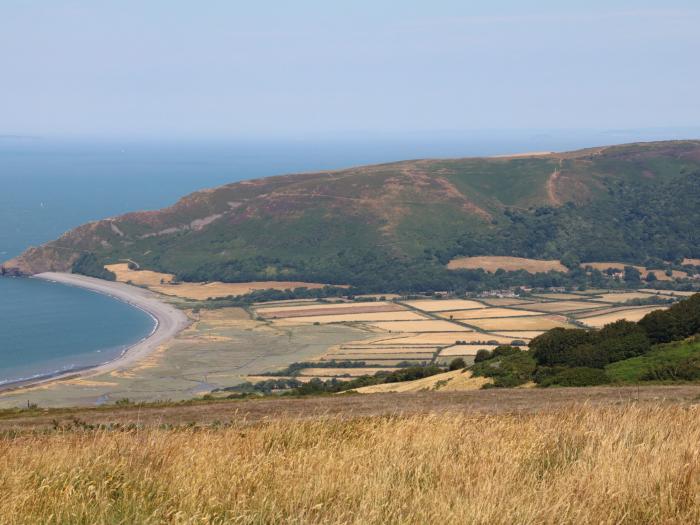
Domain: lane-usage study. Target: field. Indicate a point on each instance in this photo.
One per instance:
(140, 278)
(520, 334)
(565, 306)
(622, 296)
(487, 313)
(631, 314)
(428, 305)
(464, 350)
(491, 264)
(327, 308)
(161, 283)
(438, 330)
(418, 326)
(400, 315)
(520, 323)
(660, 275)
(456, 381)
(439, 461)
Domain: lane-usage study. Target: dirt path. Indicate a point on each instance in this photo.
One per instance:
(493, 401)
(552, 186)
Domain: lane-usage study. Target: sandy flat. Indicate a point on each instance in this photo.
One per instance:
(169, 320)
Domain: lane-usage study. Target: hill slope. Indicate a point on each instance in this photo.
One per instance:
(376, 226)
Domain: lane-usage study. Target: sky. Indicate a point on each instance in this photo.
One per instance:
(229, 68)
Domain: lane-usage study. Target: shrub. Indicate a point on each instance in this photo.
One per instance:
(553, 347)
(482, 355)
(457, 364)
(578, 376)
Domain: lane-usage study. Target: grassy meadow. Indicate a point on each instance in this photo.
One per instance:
(624, 464)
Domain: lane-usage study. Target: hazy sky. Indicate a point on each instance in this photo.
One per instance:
(230, 68)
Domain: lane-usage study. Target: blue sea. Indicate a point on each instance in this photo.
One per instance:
(48, 186)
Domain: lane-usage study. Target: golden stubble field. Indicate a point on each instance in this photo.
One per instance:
(427, 330)
(625, 464)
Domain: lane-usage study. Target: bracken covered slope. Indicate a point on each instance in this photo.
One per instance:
(613, 203)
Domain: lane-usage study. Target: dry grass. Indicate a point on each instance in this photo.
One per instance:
(140, 277)
(488, 313)
(203, 291)
(511, 264)
(159, 282)
(444, 304)
(520, 323)
(455, 381)
(626, 465)
(632, 314)
(694, 262)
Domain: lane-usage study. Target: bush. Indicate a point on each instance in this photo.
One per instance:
(578, 376)
(509, 370)
(685, 370)
(504, 350)
(482, 355)
(457, 364)
(554, 347)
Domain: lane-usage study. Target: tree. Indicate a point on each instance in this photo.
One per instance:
(632, 275)
(482, 355)
(554, 347)
(457, 364)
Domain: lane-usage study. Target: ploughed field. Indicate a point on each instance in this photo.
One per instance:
(402, 332)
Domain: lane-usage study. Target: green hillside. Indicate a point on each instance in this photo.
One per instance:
(396, 225)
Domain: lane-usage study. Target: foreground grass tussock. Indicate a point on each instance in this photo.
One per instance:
(632, 464)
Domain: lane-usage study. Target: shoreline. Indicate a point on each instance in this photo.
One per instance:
(168, 322)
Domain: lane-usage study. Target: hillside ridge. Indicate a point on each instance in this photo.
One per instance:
(322, 226)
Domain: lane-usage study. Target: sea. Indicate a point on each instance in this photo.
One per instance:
(50, 185)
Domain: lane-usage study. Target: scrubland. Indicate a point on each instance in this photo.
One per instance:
(626, 464)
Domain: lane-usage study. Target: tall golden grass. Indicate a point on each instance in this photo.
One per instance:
(630, 464)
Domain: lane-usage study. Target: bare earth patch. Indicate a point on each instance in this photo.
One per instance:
(493, 263)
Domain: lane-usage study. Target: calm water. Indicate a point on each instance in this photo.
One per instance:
(48, 187)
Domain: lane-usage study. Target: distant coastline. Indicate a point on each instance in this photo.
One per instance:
(168, 322)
